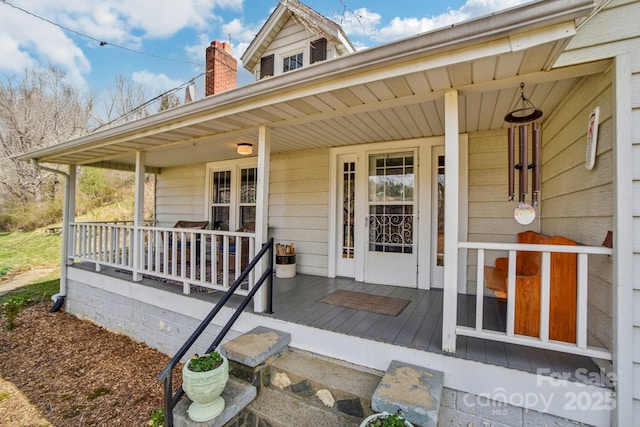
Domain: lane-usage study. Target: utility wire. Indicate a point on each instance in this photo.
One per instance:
(100, 42)
(148, 102)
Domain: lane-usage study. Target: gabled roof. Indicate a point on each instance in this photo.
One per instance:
(315, 23)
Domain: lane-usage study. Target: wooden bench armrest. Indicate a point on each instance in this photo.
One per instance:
(502, 264)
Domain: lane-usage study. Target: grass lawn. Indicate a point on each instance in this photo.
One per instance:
(21, 251)
(37, 292)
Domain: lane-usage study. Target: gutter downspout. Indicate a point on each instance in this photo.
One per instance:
(60, 297)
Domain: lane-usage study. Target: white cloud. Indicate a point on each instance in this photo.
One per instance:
(363, 22)
(27, 40)
(155, 82)
(359, 22)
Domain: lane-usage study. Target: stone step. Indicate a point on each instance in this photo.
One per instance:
(237, 395)
(415, 390)
(324, 383)
(251, 354)
(277, 408)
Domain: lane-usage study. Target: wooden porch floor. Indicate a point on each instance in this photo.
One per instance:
(419, 325)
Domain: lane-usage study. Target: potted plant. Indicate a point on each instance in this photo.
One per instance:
(203, 380)
(385, 419)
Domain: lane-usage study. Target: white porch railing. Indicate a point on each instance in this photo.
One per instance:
(205, 258)
(583, 252)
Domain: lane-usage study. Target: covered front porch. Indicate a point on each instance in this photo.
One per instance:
(479, 366)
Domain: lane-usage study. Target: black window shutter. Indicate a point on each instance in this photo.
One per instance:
(318, 50)
(266, 66)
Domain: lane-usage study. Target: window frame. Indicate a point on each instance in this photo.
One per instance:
(235, 204)
(296, 54)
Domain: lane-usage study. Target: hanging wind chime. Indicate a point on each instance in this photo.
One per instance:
(521, 118)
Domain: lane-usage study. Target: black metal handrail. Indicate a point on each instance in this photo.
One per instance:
(166, 375)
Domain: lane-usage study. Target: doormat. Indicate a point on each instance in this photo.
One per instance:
(366, 302)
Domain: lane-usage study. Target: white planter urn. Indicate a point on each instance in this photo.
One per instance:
(204, 390)
(374, 417)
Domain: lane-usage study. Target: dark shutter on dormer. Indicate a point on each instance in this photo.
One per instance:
(318, 50)
(266, 66)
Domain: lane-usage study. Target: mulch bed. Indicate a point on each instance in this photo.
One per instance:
(78, 374)
(366, 302)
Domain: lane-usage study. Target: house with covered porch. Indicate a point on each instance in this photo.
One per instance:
(390, 171)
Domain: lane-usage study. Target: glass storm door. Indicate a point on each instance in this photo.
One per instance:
(391, 220)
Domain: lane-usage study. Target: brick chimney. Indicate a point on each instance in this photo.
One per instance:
(222, 68)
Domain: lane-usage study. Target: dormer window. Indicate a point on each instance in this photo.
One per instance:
(292, 62)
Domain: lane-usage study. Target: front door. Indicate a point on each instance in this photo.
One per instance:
(391, 225)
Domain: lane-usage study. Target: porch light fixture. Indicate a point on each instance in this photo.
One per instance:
(522, 117)
(244, 149)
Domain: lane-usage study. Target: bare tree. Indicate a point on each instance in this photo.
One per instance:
(168, 101)
(40, 110)
(125, 101)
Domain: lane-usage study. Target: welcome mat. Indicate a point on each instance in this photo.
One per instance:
(366, 302)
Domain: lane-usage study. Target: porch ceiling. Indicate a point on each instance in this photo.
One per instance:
(362, 98)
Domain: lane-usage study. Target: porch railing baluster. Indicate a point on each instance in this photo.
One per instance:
(545, 295)
(511, 294)
(582, 301)
(543, 339)
(480, 292)
(193, 257)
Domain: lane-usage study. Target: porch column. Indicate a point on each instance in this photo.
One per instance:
(262, 208)
(68, 216)
(624, 350)
(451, 209)
(138, 214)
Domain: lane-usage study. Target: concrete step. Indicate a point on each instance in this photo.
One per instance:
(277, 408)
(325, 384)
(415, 390)
(249, 357)
(237, 395)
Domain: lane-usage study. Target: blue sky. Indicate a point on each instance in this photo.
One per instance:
(172, 35)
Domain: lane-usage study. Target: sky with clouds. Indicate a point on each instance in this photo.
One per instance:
(161, 43)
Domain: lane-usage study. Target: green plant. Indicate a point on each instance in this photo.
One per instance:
(12, 308)
(388, 420)
(206, 362)
(4, 269)
(157, 418)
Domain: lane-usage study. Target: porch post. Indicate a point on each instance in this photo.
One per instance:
(624, 350)
(68, 216)
(451, 208)
(138, 215)
(262, 208)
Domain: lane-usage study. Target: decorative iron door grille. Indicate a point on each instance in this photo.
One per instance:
(391, 202)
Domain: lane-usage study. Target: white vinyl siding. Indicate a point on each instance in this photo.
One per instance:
(299, 206)
(180, 195)
(578, 203)
(635, 117)
(614, 31)
(490, 213)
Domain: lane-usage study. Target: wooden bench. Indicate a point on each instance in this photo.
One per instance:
(197, 225)
(563, 278)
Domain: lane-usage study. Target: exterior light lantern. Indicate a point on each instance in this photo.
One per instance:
(244, 149)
